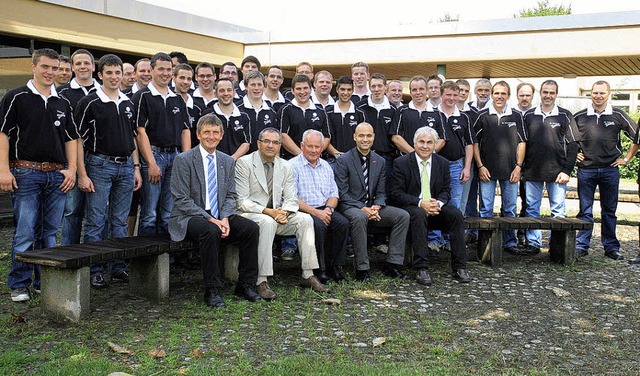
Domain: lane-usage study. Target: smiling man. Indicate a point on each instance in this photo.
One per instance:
(64, 72)
(235, 124)
(323, 84)
(261, 114)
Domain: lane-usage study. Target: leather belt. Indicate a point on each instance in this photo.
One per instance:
(40, 166)
(159, 149)
(118, 160)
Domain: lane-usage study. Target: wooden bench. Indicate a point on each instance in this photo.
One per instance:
(65, 270)
(562, 246)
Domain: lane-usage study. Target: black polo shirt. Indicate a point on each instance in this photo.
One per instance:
(410, 119)
(498, 136)
(236, 129)
(106, 126)
(458, 127)
(194, 112)
(355, 98)
(73, 92)
(382, 121)
(259, 119)
(551, 144)
(294, 120)
(598, 135)
(277, 104)
(37, 127)
(343, 125)
(164, 118)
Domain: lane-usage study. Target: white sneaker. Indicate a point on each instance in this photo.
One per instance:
(20, 295)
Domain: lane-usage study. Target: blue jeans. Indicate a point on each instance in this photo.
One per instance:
(113, 184)
(73, 215)
(608, 180)
(38, 204)
(509, 201)
(469, 201)
(156, 200)
(455, 169)
(557, 193)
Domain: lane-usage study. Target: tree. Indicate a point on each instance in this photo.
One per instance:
(544, 9)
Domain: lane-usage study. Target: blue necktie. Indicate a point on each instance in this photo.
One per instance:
(212, 185)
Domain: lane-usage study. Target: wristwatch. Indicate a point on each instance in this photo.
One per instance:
(330, 208)
(625, 159)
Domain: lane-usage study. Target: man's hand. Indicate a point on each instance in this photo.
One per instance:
(515, 174)
(7, 181)
(324, 215)
(85, 184)
(580, 157)
(69, 180)
(431, 207)
(223, 225)
(278, 215)
(137, 179)
(154, 173)
(485, 176)
(372, 212)
(465, 175)
(619, 162)
(562, 178)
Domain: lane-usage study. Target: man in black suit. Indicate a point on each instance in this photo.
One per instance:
(361, 180)
(204, 209)
(420, 185)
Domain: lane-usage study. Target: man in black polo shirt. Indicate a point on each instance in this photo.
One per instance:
(64, 72)
(299, 115)
(499, 154)
(235, 124)
(248, 64)
(323, 84)
(204, 96)
(163, 128)
(272, 93)
(549, 159)
(600, 152)
(360, 77)
(261, 114)
(107, 173)
(343, 119)
(183, 79)
(83, 66)
(142, 74)
(38, 151)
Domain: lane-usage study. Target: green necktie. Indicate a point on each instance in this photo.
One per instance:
(426, 190)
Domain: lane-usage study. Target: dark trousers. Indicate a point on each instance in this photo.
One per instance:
(339, 228)
(449, 221)
(208, 235)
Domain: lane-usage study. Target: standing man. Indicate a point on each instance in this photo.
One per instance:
(304, 68)
(229, 71)
(272, 94)
(182, 80)
(524, 93)
(142, 75)
(235, 124)
(360, 77)
(204, 96)
(599, 156)
(343, 119)
(433, 90)
(163, 129)
(420, 185)
(482, 90)
(110, 171)
(499, 153)
(267, 196)
(394, 93)
(38, 153)
(323, 84)
(361, 178)
(549, 159)
(204, 193)
(128, 77)
(260, 114)
(64, 72)
(318, 196)
(248, 64)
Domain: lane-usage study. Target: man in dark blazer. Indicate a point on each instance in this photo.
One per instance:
(204, 210)
(428, 207)
(360, 176)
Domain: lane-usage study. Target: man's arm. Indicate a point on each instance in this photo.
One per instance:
(401, 144)
(185, 139)
(243, 179)
(144, 148)
(517, 170)
(341, 172)
(241, 151)
(7, 180)
(71, 150)
(289, 191)
(84, 181)
(290, 145)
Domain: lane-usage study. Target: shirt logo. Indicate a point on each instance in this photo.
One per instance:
(387, 119)
(127, 111)
(431, 120)
(607, 123)
(510, 123)
(175, 110)
(60, 114)
(237, 126)
(56, 123)
(554, 125)
(315, 117)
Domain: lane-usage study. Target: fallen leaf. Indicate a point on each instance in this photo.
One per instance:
(332, 301)
(379, 341)
(17, 319)
(560, 292)
(197, 352)
(183, 370)
(119, 349)
(157, 353)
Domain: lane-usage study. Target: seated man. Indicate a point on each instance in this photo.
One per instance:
(421, 186)
(204, 203)
(267, 196)
(318, 196)
(360, 175)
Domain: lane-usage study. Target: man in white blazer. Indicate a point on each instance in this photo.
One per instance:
(267, 195)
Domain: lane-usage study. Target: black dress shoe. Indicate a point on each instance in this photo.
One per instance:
(337, 275)
(322, 276)
(615, 255)
(97, 281)
(247, 292)
(121, 275)
(635, 261)
(423, 277)
(461, 276)
(393, 271)
(363, 276)
(213, 299)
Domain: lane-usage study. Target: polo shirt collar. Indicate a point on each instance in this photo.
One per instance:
(241, 86)
(314, 99)
(505, 111)
(607, 110)
(189, 101)
(247, 104)
(135, 88)
(465, 107)
(105, 98)
(279, 100)
(456, 112)
(336, 108)
(198, 94)
(427, 108)
(385, 103)
(312, 105)
(154, 91)
(236, 111)
(554, 111)
(75, 85)
(35, 91)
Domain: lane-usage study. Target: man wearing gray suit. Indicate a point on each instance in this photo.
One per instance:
(204, 194)
(267, 195)
(360, 175)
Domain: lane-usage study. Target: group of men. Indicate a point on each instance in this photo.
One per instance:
(239, 161)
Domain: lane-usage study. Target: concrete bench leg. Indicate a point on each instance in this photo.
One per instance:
(562, 246)
(66, 292)
(490, 247)
(150, 276)
(231, 261)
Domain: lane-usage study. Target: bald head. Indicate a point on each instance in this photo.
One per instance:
(364, 137)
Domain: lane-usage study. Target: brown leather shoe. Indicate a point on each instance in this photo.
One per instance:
(315, 284)
(265, 291)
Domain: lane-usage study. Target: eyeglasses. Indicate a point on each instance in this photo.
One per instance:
(269, 142)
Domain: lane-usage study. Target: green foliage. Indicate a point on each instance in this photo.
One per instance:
(630, 170)
(544, 9)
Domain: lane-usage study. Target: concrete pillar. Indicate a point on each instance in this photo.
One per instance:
(66, 292)
(150, 276)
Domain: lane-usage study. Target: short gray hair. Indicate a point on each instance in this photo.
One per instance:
(311, 132)
(425, 131)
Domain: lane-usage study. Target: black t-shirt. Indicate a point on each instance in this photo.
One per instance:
(236, 129)
(37, 130)
(498, 138)
(410, 119)
(343, 126)
(551, 144)
(458, 128)
(382, 122)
